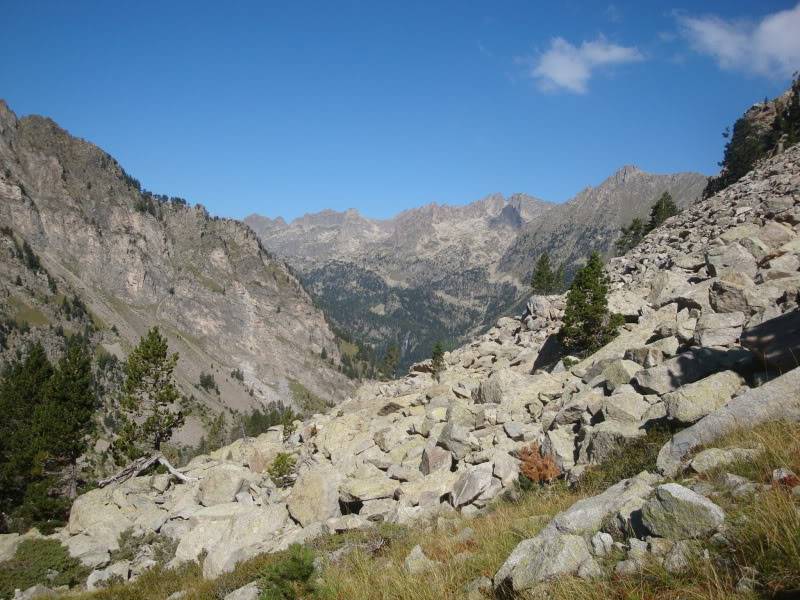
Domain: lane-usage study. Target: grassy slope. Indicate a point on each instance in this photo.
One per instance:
(764, 531)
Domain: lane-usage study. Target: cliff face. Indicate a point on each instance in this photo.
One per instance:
(136, 261)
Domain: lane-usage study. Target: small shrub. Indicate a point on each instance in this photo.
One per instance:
(208, 383)
(437, 359)
(535, 467)
(34, 562)
(237, 375)
(281, 471)
(288, 578)
(130, 544)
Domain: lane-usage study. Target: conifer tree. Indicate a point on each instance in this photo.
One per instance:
(437, 359)
(545, 280)
(630, 236)
(587, 323)
(390, 361)
(66, 417)
(149, 397)
(663, 209)
(22, 391)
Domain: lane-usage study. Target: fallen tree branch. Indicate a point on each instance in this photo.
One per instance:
(141, 464)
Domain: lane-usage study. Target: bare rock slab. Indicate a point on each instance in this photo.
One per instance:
(679, 513)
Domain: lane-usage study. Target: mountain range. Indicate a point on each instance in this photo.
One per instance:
(448, 272)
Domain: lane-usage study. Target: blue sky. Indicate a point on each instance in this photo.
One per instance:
(292, 107)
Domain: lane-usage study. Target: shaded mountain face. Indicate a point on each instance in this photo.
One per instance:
(447, 272)
(224, 302)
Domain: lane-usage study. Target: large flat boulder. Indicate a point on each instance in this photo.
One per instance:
(689, 367)
(719, 329)
(778, 399)
(695, 400)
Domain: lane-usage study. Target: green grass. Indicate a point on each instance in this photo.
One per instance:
(628, 459)
(308, 402)
(22, 313)
(763, 531)
(32, 562)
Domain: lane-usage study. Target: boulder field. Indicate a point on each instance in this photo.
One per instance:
(700, 296)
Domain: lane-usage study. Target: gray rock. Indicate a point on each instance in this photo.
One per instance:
(560, 443)
(731, 258)
(417, 563)
(776, 341)
(472, 483)
(773, 401)
(713, 458)
(679, 513)
(540, 559)
(729, 294)
(615, 373)
(602, 544)
(627, 406)
(247, 592)
(688, 368)
(119, 571)
(435, 459)
(458, 440)
(695, 400)
(719, 329)
(315, 495)
(36, 591)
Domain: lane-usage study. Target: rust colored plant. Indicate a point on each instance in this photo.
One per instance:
(537, 467)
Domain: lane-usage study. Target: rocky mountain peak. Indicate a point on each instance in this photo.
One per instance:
(7, 116)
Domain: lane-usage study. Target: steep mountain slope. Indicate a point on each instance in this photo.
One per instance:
(592, 219)
(444, 272)
(136, 261)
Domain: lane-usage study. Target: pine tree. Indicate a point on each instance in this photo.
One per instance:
(437, 359)
(587, 324)
(390, 361)
(65, 418)
(22, 391)
(663, 209)
(149, 397)
(545, 280)
(630, 236)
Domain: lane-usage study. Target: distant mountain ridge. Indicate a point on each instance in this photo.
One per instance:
(446, 272)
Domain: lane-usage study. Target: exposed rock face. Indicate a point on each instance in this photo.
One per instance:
(452, 270)
(136, 261)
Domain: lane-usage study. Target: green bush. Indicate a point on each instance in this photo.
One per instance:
(281, 471)
(40, 561)
(288, 579)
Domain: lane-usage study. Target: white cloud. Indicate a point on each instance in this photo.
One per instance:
(770, 47)
(568, 67)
